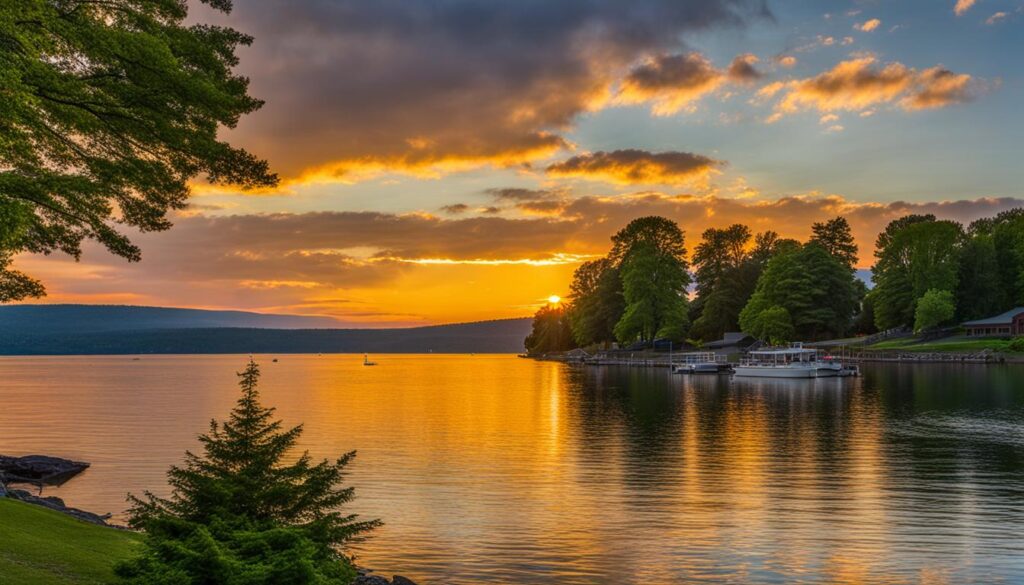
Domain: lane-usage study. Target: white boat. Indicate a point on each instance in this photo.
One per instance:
(795, 361)
(699, 362)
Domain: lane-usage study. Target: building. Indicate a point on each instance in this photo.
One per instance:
(731, 342)
(1009, 323)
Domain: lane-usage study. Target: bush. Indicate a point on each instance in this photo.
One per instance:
(1016, 344)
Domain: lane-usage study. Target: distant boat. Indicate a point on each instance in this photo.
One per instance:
(367, 362)
(274, 360)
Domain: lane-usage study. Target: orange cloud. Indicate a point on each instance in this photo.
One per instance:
(673, 83)
(860, 84)
(742, 69)
(868, 25)
(962, 6)
(787, 61)
(996, 18)
(638, 167)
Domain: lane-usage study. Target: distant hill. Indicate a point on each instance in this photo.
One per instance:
(102, 329)
(95, 318)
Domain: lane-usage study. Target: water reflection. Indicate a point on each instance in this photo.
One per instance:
(494, 469)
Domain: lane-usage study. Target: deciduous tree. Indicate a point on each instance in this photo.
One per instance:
(597, 304)
(551, 331)
(814, 288)
(651, 254)
(915, 254)
(933, 309)
(109, 109)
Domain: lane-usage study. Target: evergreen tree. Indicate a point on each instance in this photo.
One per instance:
(240, 514)
(836, 237)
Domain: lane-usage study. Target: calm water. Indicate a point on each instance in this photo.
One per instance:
(492, 469)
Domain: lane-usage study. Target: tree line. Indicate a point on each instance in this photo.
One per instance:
(927, 273)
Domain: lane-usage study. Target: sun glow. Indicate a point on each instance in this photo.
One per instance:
(554, 299)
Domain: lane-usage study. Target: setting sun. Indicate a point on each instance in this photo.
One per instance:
(554, 299)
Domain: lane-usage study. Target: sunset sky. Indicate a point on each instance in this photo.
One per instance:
(455, 160)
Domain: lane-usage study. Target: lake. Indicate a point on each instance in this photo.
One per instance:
(493, 469)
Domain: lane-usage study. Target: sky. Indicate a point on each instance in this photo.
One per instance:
(455, 160)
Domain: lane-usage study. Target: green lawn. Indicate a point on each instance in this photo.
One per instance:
(42, 547)
(958, 344)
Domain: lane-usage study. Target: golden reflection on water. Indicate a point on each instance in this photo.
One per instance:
(492, 469)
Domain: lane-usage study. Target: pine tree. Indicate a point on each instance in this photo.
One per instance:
(238, 514)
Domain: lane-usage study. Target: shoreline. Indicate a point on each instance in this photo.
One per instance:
(878, 356)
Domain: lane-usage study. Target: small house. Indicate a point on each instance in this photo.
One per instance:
(1006, 324)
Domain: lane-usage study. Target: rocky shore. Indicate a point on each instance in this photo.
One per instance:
(377, 580)
(42, 470)
(56, 504)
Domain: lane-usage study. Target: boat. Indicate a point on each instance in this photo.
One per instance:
(795, 361)
(699, 362)
(367, 362)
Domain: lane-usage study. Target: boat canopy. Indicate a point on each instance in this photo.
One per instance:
(794, 353)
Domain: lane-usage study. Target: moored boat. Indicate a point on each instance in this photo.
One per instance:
(700, 362)
(795, 361)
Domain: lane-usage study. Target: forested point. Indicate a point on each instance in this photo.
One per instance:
(927, 274)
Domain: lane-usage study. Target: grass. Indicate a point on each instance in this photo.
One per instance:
(954, 344)
(43, 547)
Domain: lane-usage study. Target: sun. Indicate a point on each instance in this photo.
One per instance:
(554, 299)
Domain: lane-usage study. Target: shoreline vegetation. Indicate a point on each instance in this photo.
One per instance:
(928, 276)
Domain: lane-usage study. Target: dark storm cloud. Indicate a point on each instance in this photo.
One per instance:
(633, 166)
(426, 86)
(521, 194)
(455, 208)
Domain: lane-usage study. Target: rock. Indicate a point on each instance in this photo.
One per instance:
(39, 469)
(57, 504)
(400, 580)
